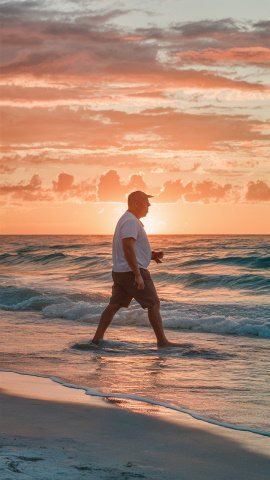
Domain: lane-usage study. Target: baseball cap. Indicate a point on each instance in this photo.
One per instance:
(138, 195)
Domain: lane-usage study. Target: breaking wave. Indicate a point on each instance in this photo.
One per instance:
(88, 307)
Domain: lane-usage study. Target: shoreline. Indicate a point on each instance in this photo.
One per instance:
(99, 396)
(49, 430)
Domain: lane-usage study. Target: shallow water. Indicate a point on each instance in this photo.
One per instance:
(214, 294)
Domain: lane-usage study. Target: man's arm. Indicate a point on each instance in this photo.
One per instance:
(129, 253)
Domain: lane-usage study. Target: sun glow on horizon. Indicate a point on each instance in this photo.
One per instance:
(154, 222)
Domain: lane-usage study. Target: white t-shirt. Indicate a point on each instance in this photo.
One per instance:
(130, 226)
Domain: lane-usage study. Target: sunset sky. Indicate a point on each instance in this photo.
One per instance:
(99, 98)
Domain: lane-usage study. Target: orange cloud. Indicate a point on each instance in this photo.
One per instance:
(205, 191)
(65, 188)
(258, 191)
(111, 189)
(5, 168)
(171, 192)
(177, 130)
(62, 189)
(31, 191)
(63, 183)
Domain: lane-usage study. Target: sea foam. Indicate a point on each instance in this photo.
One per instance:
(88, 308)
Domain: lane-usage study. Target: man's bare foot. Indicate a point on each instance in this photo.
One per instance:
(95, 341)
(172, 344)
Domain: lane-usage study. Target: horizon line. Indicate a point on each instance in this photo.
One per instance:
(111, 234)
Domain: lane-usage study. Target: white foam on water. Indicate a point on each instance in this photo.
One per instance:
(172, 318)
(93, 392)
(222, 324)
(72, 310)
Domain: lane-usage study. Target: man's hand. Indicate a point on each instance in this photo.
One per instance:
(139, 282)
(156, 256)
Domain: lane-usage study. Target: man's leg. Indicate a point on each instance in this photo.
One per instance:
(105, 321)
(156, 322)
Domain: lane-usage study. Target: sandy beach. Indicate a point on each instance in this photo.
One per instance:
(49, 431)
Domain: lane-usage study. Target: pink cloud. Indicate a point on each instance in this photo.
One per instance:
(96, 52)
(245, 55)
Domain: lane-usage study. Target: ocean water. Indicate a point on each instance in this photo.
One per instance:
(214, 293)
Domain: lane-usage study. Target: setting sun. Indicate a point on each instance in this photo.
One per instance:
(154, 223)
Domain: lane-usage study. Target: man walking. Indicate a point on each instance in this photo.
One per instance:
(131, 257)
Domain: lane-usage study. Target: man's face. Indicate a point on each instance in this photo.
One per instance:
(143, 207)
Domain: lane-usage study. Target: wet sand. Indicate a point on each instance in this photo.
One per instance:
(49, 431)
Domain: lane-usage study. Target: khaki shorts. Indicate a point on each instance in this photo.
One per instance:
(124, 290)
